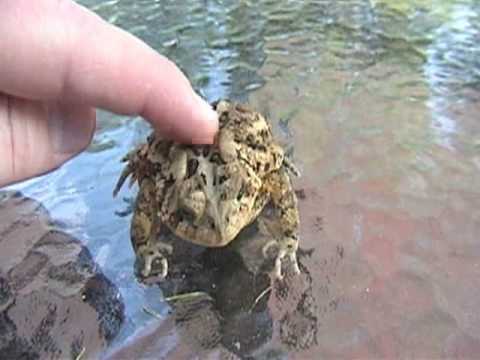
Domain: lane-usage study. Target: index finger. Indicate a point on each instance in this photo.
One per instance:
(58, 50)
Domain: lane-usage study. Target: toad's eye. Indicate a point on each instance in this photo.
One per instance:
(192, 166)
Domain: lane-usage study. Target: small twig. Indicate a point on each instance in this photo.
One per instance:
(259, 297)
(80, 354)
(186, 296)
(151, 312)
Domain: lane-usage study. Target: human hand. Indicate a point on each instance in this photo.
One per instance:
(58, 63)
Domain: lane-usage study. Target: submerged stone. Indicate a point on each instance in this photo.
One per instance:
(55, 303)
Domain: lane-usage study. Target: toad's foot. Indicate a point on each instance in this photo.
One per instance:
(286, 248)
(154, 262)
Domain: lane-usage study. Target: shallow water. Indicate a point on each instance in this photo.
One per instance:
(378, 102)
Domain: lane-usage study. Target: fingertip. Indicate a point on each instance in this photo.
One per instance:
(208, 118)
(187, 119)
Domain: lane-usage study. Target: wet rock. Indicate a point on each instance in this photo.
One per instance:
(54, 301)
(191, 331)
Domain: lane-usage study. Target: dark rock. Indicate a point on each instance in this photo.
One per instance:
(54, 301)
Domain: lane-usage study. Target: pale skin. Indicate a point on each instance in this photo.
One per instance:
(59, 62)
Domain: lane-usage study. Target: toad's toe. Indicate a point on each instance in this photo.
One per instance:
(154, 261)
(286, 248)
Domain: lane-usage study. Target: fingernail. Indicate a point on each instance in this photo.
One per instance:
(202, 140)
(207, 114)
(208, 122)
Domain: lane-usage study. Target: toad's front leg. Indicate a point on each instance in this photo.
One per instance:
(284, 228)
(151, 253)
(284, 247)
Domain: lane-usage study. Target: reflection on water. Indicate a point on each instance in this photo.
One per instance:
(213, 42)
(379, 102)
(453, 67)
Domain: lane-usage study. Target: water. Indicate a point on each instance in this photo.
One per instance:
(378, 102)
